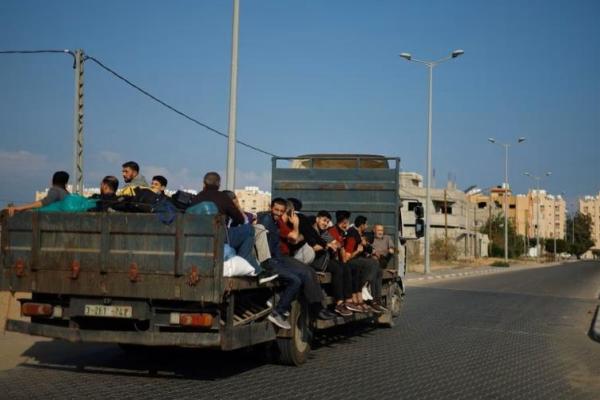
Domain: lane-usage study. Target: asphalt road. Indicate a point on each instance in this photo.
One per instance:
(511, 335)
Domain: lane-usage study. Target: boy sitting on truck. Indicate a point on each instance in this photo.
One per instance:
(57, 192)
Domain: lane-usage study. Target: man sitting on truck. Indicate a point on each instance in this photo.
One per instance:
(108, 194)
(383, 246)
(57, 192)
(339, 233)
(240, 235)
(356, 245)
(132, 178)
(291, 271)
(325, 248)
(289, 235)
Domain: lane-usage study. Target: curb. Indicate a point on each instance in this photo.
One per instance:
(480, 271)
(457, 274)
(595, 329)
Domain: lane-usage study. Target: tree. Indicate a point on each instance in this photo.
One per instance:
(561, 245)
(495, 226)
(580, 240)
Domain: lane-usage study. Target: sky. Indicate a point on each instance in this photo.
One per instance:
(314, 77)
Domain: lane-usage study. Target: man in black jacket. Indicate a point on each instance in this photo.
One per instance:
(240, 235)
(107, 197)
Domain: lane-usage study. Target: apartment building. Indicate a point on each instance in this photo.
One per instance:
(452, 215)
(254, 200)
(590, 205)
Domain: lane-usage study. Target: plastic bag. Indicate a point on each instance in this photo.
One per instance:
(237, 266)
(71, 203)
(203, 208)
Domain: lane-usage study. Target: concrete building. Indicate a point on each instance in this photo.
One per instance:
(253, 200)
(590, 205)
(549, 212)
(453, 217)
(523, 211)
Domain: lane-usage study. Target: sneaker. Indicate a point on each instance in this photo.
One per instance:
(265, 277)
(377, 308)
(285, 313)
(353, 307)
(326, 314)
(343, 310)
(365, 307)
(279, 320)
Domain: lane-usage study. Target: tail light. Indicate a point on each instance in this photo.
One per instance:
(36, 309)
(199, 319)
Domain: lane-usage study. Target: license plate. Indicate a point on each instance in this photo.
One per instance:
(95, 310)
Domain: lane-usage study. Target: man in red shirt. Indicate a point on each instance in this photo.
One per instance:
(348, 250)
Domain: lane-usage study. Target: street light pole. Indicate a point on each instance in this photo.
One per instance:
(537, 224)
(506, 146)
(230, 183)
(430, 65)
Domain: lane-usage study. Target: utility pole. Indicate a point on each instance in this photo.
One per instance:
(233, 98)
(78, 123)
(446, 223)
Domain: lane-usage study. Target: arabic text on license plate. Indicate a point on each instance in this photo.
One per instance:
(96, 310)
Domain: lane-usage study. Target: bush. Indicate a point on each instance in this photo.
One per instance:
(440, 250)
(500, 264)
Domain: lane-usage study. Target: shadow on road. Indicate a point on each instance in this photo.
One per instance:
(174, 362)
(165, 362)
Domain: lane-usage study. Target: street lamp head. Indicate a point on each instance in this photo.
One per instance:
(458, 52)
(521, 139)
(491, 140)
(406, 56)
(548, 173)
(526, 174)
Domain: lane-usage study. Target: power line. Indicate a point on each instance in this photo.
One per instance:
(65, 51)
(170, 107)
(141, 90)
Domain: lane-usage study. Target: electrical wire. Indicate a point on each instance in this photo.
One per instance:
(143, 91)
(65, 51)
(172, 108)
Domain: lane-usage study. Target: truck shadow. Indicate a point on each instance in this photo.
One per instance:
(164, 362)
(174, 362)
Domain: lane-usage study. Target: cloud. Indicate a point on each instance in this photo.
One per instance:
(22, 163)
(185, 179)
(110, 157)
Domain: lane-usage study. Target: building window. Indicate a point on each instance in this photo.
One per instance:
(412, 205)
(439, 207)
(512, 206)
(481, 204)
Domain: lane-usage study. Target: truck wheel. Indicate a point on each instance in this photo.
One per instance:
(294, 350)
(394, 299)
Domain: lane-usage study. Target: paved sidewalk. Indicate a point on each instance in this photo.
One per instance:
(454, 272)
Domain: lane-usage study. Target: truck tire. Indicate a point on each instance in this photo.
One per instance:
(394, 299)
(294, 350)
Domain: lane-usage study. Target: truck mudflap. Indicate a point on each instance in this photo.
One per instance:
(187, 339)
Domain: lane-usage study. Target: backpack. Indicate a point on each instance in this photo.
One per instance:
(181, 199)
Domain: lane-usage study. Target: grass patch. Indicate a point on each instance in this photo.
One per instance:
(500, 264)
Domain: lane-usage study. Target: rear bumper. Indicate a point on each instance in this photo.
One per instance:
(188, 339)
